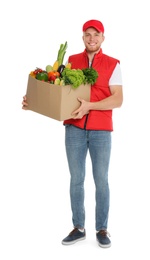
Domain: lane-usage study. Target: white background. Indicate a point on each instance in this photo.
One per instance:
(34, 179)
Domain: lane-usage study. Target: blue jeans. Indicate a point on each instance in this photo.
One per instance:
(78, 142)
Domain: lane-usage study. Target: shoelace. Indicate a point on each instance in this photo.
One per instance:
(73, 231)
(104, 233)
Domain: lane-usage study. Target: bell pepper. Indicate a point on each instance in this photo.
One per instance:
(42, 76)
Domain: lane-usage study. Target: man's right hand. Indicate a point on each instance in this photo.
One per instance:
(24, 103)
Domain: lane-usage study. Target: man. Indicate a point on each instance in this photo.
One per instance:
(90, 130)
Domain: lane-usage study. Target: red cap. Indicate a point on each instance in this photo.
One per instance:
(93, 23)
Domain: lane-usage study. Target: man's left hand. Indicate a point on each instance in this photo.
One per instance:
(82, 110)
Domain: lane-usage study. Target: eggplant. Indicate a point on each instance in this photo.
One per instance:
(61, 68)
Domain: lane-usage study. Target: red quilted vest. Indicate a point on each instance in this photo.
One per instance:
(104, 64)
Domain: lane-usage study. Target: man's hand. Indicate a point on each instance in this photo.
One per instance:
(24, 103)
(82, 110)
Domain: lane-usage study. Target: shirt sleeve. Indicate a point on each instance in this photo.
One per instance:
(116, 77)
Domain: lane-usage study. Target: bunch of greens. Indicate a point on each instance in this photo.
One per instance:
(90, 75)
(74, 77)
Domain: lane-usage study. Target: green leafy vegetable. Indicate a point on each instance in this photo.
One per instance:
(90, 75)
(74, 77)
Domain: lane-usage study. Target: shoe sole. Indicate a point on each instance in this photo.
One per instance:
(73, 242)
(103, 246)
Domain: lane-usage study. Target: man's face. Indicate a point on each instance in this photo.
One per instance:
(93, 39)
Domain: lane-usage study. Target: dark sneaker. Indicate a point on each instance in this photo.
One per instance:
(103, 239)
(74, 236)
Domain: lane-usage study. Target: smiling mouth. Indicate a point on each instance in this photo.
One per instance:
(92, 45)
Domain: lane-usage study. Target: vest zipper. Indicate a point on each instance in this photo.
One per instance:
(90, 65)
(85, 122)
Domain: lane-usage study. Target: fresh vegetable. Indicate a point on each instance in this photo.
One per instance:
(90, 75)
(68, 65)
(42, 76)
(74, 77)
(60, 56)
(49, 68)
(32, 74)
(57, 81)
(57, 74)
(52, 74)
(37, 70)
(61, 68)
(55, 65)
(61, 53)
(62, 83)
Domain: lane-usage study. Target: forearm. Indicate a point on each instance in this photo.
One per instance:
(106, 104)
(113, 101)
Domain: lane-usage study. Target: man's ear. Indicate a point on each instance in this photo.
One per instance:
(103, 38)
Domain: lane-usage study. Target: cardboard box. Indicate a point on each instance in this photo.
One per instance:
(54, 101)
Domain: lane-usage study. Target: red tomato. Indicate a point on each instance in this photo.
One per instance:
(52, 77)
(50, 73)
(37, 70)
